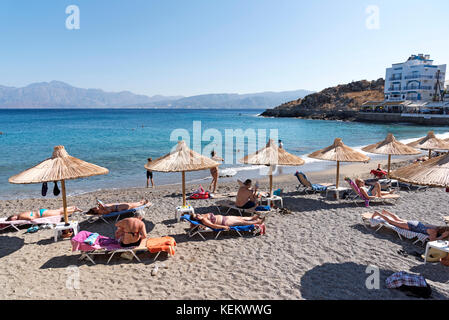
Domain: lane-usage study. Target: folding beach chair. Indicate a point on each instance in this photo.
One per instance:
(103, 246)
(379, 223)
(117, 215)
(197, 228)
(307, 186)
(358, 196)
(53, 220)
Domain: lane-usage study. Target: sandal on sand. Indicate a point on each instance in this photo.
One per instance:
(402, 253)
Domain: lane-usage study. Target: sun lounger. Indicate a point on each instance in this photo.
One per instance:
(116, 215)
(307, 186)
(379, 223)
(15, 224)
(197, 228)
(358, 196)
(104, 245)
(230, 205)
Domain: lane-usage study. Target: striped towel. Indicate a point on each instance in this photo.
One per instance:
(405, 233)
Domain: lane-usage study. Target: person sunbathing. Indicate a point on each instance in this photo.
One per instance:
(42, 213)
(102, 208)
(224, 222)
(131, 231)
(434, 232)
(374, 193)
(246, 197)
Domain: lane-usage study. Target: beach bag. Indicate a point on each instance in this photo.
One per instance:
(197, 196)
(277, 192)
(263, 208)
(411, 284)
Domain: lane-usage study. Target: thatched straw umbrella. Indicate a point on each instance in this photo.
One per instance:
(430, 142)
(390, 146)
(60, 167)
(433, 172)
(182, 159)
(341, 153)
(272, 155)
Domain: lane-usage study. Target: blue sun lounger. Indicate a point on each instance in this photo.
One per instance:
(198, 228)
(116, 214)
(307, 186)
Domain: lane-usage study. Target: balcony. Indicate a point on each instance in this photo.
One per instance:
(395, 79)
(418, 76)
(418, 88)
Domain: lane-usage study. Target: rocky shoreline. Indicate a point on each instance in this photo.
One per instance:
(336, 103)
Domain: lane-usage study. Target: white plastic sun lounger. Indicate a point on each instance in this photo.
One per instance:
(15, 224)
(378, 223)
(116, 215)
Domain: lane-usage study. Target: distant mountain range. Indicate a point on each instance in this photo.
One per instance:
(58, 94)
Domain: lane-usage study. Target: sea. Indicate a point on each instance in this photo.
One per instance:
(122, 140)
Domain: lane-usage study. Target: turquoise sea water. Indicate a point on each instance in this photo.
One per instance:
(122, 139)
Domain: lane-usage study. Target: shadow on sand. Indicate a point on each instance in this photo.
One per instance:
(347, 280)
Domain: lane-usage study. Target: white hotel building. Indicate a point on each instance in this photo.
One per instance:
(413, 87)
(413, 80)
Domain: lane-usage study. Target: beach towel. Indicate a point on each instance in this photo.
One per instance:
(374, 222)
(46, 220)
(166, 244)
(101, 242)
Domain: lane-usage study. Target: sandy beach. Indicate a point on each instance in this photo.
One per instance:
(319, 251)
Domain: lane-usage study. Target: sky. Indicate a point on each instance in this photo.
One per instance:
(191, 47)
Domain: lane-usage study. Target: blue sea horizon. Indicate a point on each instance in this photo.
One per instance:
(122, 140)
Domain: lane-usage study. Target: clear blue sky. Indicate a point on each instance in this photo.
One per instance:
(188, 47)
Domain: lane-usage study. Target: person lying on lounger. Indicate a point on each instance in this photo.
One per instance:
(42, 213)
(115, 207)
(375, 193)
(246, 197)
(224, 222)
(131, 231)
(434, 232)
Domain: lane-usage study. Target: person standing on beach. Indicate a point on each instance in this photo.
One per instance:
(150, 175)
(214, 172)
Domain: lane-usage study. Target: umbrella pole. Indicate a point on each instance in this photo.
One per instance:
(184, 189)
(338, 174)
(271, 184)
(389, 165)
(430, 154)
(64, 202)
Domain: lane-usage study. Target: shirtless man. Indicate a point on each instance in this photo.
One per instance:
(246, 198)
(131, 231)
(115, 207)
(225, 222)
(42, 213)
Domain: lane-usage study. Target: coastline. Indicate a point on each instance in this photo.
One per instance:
(320, 251)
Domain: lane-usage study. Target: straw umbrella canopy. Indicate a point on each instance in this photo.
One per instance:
(60, 167)
(182, 159)
(430, 142)
(433, 172)
(339, 152)
(390, 146)
(271, 155)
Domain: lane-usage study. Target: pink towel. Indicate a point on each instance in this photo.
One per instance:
(102, 242)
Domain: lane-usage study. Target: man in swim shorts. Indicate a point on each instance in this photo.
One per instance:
(246, 197)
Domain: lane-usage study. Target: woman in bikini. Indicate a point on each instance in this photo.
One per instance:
(434, 232)
(224, 222)
(375, 193)
(42, 213)
(102, 208)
